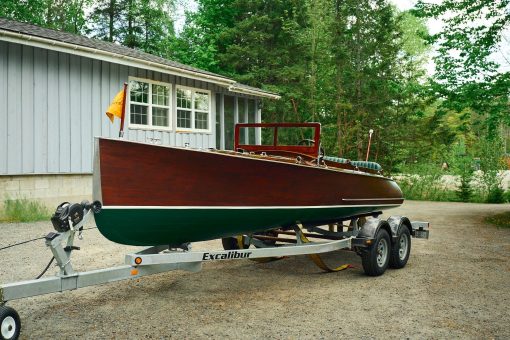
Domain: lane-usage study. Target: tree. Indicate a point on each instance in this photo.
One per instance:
(343, 63)
(373, 72)
(104, 18)
(467, 77)
(199, 42)
(64, 15)
(141, 24)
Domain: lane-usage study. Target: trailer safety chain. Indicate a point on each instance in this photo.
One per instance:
(320, 263)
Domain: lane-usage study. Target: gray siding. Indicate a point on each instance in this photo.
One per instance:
(52, 104)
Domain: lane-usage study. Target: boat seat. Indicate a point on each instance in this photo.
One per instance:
(360, 164)
(367, 165)
(336, 159)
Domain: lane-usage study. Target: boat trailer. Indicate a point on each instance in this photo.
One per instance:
(379, 243)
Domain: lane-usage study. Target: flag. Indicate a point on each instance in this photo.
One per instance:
(116, 108)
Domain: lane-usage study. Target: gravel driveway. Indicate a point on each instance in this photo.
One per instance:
(456, 284)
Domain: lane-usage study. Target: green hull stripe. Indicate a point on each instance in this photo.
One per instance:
(175, 226)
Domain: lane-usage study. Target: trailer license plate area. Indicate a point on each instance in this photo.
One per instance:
(421, 234)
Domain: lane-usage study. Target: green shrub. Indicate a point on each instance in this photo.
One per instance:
(491, 162)
(496, 195)
(500, 220)
(506, 196)
(424, 182)
(24, 210)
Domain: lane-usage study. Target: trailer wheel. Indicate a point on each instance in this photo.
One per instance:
(10, 324)
(375, 259)
(401, 249)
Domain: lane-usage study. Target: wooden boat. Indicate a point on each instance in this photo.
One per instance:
(159, 195)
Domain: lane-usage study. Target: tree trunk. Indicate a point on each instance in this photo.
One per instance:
(111, 13)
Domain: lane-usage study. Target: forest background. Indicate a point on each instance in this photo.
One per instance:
(352, 65)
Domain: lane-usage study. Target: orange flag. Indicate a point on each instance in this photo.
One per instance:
(117, 106)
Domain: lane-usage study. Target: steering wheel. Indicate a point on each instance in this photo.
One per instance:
(311, 142)
(307, 142)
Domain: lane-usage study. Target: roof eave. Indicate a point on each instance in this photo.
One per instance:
(253, 92)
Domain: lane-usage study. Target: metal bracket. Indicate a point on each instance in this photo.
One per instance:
(420, 229)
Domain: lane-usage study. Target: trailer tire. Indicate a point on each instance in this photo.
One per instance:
(10, 324)
(230, 243)
(401, 249)
(375, 259)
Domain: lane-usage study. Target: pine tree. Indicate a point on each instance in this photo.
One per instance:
(105, 17)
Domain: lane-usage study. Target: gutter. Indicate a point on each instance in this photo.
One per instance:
(240, 89)
(95, 53)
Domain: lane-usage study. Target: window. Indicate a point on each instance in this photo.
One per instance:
(193, 109)
(149, 104)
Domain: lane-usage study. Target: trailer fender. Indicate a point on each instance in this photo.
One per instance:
(372, 226)
(396, 223)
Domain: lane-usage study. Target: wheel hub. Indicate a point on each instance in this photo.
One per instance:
(382, 252)
(8, 327)
(402, 250)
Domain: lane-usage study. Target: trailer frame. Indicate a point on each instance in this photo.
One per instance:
(158, 259)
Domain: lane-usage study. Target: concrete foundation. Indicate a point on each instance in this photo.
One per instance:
(50, 190)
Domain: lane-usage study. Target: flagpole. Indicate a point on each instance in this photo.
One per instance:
(121, 131)
(369, 141)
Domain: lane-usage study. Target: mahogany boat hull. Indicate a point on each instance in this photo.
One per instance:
(157, 195)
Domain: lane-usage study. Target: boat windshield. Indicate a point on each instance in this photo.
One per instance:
(300, 138)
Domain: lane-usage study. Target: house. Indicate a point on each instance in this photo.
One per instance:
(55, 88)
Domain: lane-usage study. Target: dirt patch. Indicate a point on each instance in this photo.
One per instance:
(456, 284)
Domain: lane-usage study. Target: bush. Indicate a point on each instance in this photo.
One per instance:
(491, 162)
(425, 182)
(461, 165)
(500, 220)
(24, 210)
(506, 196)
(496, 195)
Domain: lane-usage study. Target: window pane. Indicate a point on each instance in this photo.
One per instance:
(267, 135)
(159, 116)
(139, 91)
(160, 94)
(218, 121)
(184, 98)
(138, 114)
(229, 122)
(251, 119)
(295, 135)
(201, 120)
(184, 119)
(201, 101)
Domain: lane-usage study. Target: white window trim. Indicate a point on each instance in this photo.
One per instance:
(149, 105)
(192, 110)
